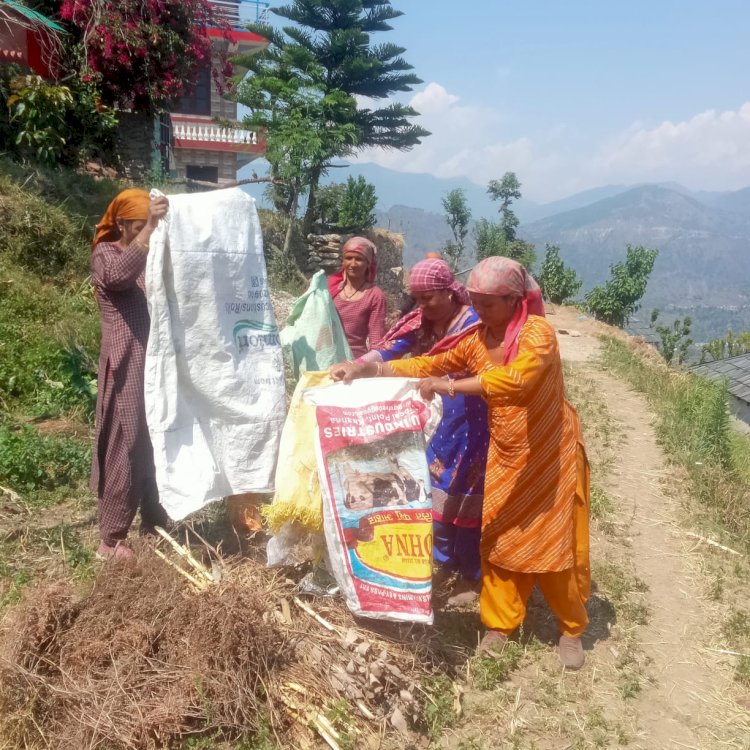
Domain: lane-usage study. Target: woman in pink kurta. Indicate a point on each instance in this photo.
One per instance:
(123, 466)
(361, 305)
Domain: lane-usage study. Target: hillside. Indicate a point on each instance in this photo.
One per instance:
(703, 268)
(423, 231)
(97, 655)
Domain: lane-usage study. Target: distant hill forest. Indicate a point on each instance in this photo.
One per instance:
(703, 268)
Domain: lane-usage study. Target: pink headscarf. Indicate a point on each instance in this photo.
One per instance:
(362, 246)
(431, 275)
(504, 277)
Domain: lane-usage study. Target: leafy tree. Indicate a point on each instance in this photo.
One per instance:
(731, 345)
(492, 238)
(357, 207)
(674, 339)
(506, 191)
(559, 283)
(615, 301)
(300, 119)
(328, 204)
(336, 36)
(143, 54)
(457, 216)
(489, 239)
(37, 112)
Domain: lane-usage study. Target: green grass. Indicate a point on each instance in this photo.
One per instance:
(736, 633)
(38, 466)
(438, 712)
(49, 329)
(489, 672)
(694, 428)
(344, 722)
(601, 503)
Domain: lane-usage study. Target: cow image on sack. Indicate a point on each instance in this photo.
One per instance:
(377, 500)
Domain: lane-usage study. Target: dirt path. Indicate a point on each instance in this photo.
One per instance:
(687, 701)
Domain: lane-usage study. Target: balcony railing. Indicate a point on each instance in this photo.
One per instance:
(184, 131)
(239, 13)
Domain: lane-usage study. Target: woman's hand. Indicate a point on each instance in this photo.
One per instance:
(347, 371)
(157, 209)
(430, 387)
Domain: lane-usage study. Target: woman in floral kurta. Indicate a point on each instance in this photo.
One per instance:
(457, 453)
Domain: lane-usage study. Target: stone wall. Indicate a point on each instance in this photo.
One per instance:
(324, 251)
(135, 144)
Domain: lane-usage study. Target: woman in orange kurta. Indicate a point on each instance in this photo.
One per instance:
(535, 515)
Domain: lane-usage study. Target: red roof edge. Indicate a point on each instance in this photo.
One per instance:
(237, 36)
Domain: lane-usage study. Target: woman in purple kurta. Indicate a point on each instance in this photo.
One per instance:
(457, 453)
(123, 465)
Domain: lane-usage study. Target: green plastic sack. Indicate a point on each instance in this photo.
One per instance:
(314, 337)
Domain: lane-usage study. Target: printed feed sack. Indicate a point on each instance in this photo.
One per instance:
(377, 499)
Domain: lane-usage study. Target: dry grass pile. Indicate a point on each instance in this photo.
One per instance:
(143, 661)
(136, 662)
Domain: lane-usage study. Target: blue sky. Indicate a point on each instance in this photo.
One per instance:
(572, 95)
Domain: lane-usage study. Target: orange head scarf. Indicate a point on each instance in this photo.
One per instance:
(129, 205)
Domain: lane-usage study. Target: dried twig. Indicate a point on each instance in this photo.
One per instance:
(199, 584)
(326, 731)
(712, 543)
(180, 550)
(310, 611)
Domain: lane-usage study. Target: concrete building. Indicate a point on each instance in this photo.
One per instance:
(199, 138)
(29, 39)
(201, 148)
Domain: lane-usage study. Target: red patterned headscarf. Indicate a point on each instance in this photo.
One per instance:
(431, 275)
(362, 246)
(503, 277)
(434, 275)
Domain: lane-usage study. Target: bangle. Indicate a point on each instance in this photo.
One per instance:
(379, 370)
(451, 388)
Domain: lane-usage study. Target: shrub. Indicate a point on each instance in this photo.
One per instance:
(144, 54)
(357, 206)
(559, 283)
(30, 461)
(620, 296)
(490, 239)
(37, 116)
(328, 200)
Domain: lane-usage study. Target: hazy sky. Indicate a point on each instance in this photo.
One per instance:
(572, 95)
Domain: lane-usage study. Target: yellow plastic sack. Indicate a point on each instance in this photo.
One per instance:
(298, 497)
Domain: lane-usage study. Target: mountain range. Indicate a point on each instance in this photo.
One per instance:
(703, 238)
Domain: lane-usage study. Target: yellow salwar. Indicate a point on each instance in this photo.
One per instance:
(502, 603)
(536, 502)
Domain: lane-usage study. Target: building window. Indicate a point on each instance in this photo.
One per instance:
(199, 101)
(204, 174)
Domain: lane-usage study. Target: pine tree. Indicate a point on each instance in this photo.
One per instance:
(336, 35)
